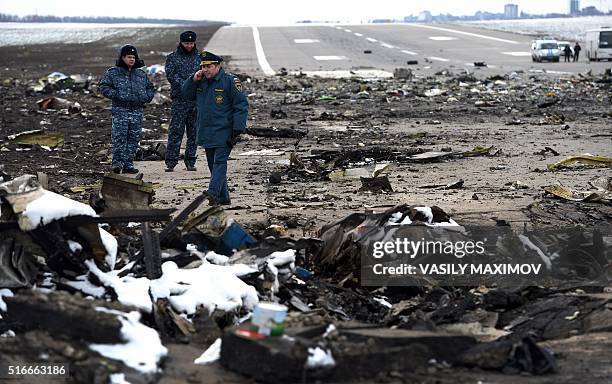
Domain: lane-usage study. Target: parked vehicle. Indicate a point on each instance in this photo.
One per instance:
(545, 50)
(598, 44)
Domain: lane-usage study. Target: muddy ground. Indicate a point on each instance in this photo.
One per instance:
(384, 120)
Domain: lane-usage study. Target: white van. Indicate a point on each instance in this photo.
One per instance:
(545, 50)
(598, 45)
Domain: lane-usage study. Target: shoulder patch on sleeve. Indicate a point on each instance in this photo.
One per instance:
(237, 84)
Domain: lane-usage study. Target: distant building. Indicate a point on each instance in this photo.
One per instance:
(511, 11)
(425, 16)
(479, 15)
(574, 7)
(591, 11)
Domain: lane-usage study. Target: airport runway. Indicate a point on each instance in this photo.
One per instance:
(384, 47)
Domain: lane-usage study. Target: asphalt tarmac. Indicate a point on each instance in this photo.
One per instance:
(265, 50)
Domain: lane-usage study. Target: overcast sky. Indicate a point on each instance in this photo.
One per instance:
(280, 11)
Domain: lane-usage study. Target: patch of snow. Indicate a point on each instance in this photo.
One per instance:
(216, 258)
(318, 357)
(118, 378)
(330, 328)
(51, 206)
(213, 353)
(209, 285)
(76, 33)
(383, 302)
(425, 211)
(143, 348)
(130, 290)
(110, 243)
(4, 293)
(395, 217)
(8, 333)
(278, 259)
(74, 246)
(573, 29)
(82, 284)
(281, 258)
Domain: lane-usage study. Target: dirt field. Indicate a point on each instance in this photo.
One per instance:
(491, 134)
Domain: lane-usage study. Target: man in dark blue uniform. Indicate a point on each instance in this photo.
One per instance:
(222, 115)
(576, 51)
(130, 89)
(180, 65)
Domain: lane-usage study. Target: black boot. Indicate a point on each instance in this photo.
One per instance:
(130, 170)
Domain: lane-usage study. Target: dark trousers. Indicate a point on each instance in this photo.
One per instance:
(125, 134)
(217, 164)
(183, 117)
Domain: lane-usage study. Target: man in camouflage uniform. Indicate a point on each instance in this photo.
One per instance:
(180, 65)
(130, 89)
(222, 117)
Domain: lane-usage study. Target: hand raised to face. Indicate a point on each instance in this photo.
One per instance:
(198, 75)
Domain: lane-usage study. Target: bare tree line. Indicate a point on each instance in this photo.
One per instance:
(5, 18)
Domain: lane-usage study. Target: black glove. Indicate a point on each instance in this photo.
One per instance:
(234, 139)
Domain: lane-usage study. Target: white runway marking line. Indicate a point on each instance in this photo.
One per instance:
(386, 45)
(328, 58)
(261, 56)
(305, 41)
(348, 30)
(464, 33)
(560, 72)
(340, 28)
(437, 58)
(442, 38)
(409, 52)
(371, 39)
(517, 53)
(358, 34)
(338, 74)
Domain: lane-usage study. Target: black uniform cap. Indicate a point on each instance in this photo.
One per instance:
(128, 50)
(188, 37)
(209, 58)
